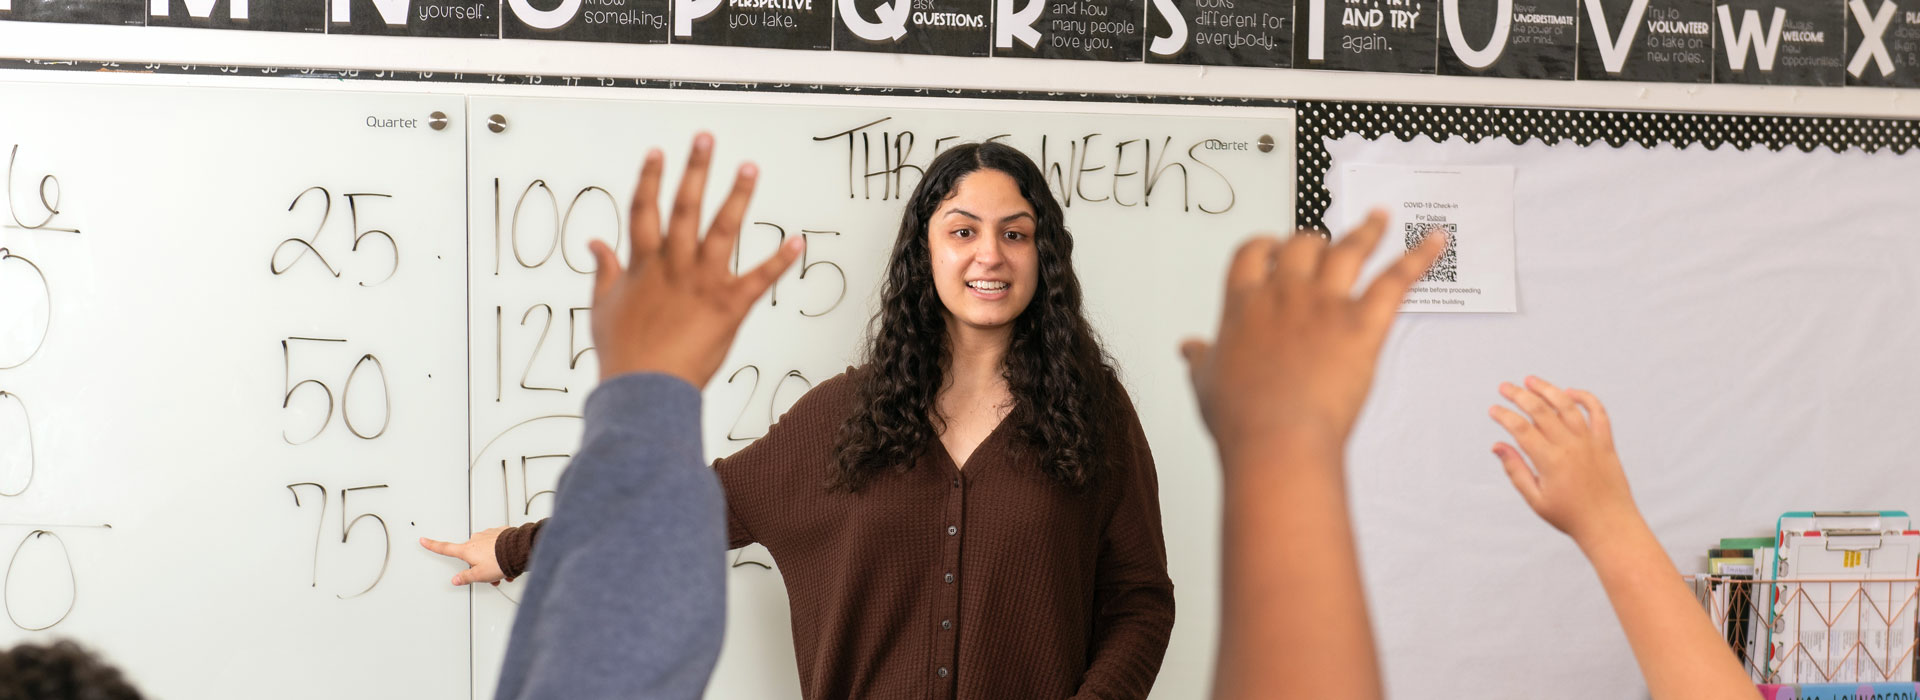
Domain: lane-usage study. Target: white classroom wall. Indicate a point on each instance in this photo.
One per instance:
(1398, 616)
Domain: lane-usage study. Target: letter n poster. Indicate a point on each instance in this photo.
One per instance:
(459, 19)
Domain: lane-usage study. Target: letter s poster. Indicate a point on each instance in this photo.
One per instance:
(1256, 33)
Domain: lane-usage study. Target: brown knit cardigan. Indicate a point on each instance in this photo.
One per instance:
(988, 582)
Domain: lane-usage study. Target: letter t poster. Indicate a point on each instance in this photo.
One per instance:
(1471, 205)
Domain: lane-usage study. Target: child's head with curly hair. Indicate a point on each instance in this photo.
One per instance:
(62, 670)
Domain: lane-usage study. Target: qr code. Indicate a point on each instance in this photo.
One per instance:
(1446, 268)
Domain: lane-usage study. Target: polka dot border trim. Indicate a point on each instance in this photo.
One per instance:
(1320, 122)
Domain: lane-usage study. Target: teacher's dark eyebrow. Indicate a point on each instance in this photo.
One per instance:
(1004, 220)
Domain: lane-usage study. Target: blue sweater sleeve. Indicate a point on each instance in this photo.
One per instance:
(629, 595)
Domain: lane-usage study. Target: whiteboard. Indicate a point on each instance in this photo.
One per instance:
(1747, 316)
(479, 334)
(156, 403)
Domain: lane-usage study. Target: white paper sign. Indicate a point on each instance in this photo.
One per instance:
(1471, 205)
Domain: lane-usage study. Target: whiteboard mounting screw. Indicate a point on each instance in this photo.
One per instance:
(496, 123)
(437, 120)
(1266, 143)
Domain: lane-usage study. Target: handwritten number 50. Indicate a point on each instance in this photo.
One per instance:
(346, 412)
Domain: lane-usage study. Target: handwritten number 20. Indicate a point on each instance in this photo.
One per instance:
(773, 402)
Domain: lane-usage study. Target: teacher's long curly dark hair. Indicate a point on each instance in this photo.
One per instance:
(1062, 382)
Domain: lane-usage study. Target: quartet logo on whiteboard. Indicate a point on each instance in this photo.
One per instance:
(1472, 206)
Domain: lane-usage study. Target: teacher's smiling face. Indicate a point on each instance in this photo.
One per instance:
(985, 264)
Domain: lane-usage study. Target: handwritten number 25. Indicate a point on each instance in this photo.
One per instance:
(301, 246)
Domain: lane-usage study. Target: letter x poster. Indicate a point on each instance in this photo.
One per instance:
(1883, 43)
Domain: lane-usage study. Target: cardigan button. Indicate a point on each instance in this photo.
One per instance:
(946, 624)
(942, 672)
(951, 530)
(949, 578)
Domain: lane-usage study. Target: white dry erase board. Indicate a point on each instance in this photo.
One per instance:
(1746, 314)
(274, 335)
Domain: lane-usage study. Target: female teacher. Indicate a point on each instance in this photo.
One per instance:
(973, 512)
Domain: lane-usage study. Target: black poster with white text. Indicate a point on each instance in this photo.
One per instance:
(470, 19)
(1663, 41)
(762, 24)
(1221, 32)
(1883, 43)
(1087, 30)
(1509, 38)
(616, 21)
(1385, 36)
(75, 11)
(927, 27)
(256, 15)
(1780, 42)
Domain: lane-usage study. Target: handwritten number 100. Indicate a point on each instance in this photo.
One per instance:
(562, 221)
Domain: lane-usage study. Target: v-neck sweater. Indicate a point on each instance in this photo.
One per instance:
(992, 582)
